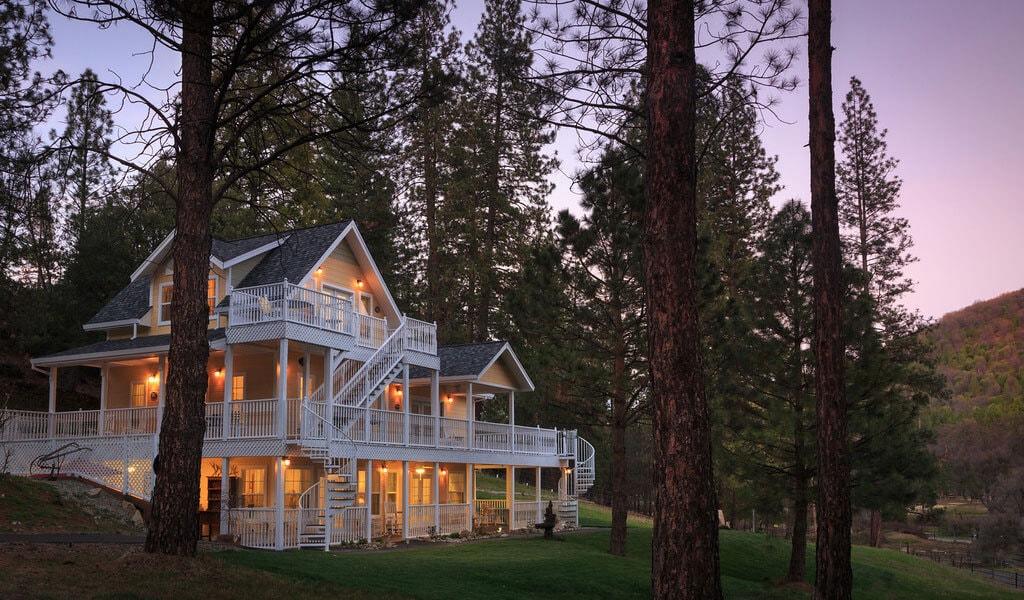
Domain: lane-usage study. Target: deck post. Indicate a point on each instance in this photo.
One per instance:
(470, 417)
(406, 402)
(536, 479)
(225, 495)
(279, 504)
(436, 499)
(471, 492)
(229, 382)
(512, 421)
(510, 495)
(405, 499)
(282, 388)
(51, 418)
(104, 382)
(368, 498)
(435, 406)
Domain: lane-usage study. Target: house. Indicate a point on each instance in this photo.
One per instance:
(331, 417)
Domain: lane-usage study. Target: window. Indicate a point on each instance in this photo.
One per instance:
(238, 387)
(296, 481)
(138, 393)
(166, 297)
(254, 487)
(456, 487)
(211, 294)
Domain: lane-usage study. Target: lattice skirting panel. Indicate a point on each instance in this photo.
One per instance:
(244, 447)
(123, 463)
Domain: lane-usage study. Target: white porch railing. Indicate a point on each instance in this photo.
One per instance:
(296, 304)
(453, 433)
(420, 336)
(490, 513)
(421, 430)
(257, 527)
(453, 518)
(253, 418)
(258, 419)
(525, 516)
(421, 520)
(491, 436)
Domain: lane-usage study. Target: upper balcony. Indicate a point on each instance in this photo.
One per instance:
(284, 310)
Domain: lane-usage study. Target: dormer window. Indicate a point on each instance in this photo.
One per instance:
(167, 297)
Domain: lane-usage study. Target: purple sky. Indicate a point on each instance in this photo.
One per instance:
(946, 81)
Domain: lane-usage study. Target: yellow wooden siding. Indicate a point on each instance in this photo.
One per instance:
(499, 374)
(160, 277)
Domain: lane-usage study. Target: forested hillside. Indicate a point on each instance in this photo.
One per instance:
(980, 351)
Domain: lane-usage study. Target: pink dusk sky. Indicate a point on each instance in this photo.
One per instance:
(947, 81)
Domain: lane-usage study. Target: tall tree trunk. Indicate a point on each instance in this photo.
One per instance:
(833, 568)
(685, 561)
(876, 528)
(174, 526)
(798, 551)
(620, 511)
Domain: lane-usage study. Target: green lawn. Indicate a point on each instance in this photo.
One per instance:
(578, 566)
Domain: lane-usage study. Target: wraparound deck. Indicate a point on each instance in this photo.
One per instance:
(260, 419)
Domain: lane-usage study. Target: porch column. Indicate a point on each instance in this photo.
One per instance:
(470, 417)
(328, 399)
(229, 392)
(104, 381)
(471, 492)
(368, 498)
(510, 495)
(52, 416)
(405, 499)
(282, 388)
(406, 401)
(225, 494)
(536, 479)
(279, 504)
(435, 407)
(436, 498)
(512, 420)
(161, 399)
(305, 374)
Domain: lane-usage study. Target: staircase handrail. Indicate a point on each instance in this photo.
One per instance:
(356, 391)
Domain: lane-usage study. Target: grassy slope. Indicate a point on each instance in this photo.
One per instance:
(578, 566)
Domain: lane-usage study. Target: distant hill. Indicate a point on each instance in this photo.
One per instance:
(980, 350)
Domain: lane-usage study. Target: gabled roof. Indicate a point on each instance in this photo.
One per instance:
(130, 304)
(114, 349)
(469, 362)
(287, 255)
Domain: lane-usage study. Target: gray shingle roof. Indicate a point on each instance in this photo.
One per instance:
(140, 344)
(292, 260)
(296, 257)
(130, 303)
(226, 251)
(465, 360)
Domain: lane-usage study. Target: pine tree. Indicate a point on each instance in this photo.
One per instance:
(875, 239)
(504, 207)
(83, 171)
(605, 282)
(889, 379)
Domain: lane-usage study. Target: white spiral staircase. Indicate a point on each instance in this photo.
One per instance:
(581, 480)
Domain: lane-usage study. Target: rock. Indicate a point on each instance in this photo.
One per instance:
(92, 492)
(137, 519)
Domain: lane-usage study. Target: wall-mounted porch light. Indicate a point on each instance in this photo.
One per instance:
(384, 468)
(359, 283)
(219, 373)
(286, 462)
(420, 470)
(319, 271)
(444, 471)
(154, 378)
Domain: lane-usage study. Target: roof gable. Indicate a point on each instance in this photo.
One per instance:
(472, 361)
